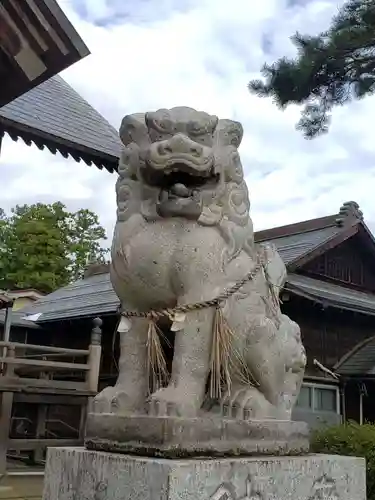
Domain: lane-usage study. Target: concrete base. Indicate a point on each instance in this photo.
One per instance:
(181, 437)
(76, 473)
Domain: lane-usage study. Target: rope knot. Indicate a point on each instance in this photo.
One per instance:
(152, 315)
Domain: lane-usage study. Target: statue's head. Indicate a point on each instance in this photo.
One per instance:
(184, 163)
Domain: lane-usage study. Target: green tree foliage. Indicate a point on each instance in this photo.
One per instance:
(349, 439)
(331, 69)
(46, 247)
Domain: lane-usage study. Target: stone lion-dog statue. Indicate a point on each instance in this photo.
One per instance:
(183, 236)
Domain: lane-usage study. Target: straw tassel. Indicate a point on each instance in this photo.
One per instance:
(225, 360)
(222, 337)
(157, 366)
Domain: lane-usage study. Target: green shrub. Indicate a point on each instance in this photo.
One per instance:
(349, 439)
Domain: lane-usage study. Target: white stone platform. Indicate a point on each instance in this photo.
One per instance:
(79, 474)
(182, 437)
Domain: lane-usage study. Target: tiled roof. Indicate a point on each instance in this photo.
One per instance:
(17, 320)
(295, 241)
(295, 246)
(55, 116)
(330, 294)
(359, 361)
(95, 296)
(84, 298)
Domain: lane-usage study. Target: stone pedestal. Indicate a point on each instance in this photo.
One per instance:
(182, 437)
(80, 474)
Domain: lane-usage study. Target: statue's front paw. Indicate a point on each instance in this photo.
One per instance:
(247, 403)
(115, 400)
(173, 402)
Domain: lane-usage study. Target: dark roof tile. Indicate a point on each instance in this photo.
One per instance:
(83, 298)
(333, 295)
(17, 320)
(54, 114)
(295, 246)
(95, 295)
(359, 361)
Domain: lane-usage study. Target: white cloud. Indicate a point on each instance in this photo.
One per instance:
(147, 55)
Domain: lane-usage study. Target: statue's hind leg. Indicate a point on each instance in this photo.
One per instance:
(262, 355)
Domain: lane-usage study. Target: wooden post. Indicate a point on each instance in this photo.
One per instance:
(41, 424)
(95, 352)
(92, 378)
(6, 336)
(7, 323)
(6, 415)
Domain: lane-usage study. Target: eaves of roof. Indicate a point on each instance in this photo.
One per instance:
(54, 116)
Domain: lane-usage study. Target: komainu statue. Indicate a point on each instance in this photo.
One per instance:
(201, 333)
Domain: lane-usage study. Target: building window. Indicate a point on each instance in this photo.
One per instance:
(325, 399)
(304, 400)
(318, 398)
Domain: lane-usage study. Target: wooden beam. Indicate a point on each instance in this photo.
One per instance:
(48, 390)
(45, 365)
(65, 27)
(24, 383)
(41, 425)
(50, 399)
(6, 399)
(46, 348)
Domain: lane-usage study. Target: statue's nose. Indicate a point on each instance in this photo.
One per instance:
(180, 143)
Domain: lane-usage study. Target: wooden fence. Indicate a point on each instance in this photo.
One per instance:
(35, 373)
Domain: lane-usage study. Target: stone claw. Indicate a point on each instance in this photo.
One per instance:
(246, 403)
(113, 400)
(171, 401)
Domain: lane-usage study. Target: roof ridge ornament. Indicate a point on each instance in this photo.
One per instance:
(348, 213)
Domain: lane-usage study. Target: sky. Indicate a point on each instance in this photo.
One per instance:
(149, 54)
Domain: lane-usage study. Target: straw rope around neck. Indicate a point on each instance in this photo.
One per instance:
(224, 359)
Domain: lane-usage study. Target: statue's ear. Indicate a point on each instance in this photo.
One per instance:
(133, 129)
(229, 132)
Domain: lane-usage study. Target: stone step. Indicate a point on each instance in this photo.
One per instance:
(21, 486)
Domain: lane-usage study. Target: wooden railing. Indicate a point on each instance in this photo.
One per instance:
(29, 370)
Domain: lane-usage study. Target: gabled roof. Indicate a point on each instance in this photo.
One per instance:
(301, 242)
(55, 116)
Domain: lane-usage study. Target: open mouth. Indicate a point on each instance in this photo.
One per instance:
(180, 179)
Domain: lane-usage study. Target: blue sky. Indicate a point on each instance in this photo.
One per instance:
(147, 54)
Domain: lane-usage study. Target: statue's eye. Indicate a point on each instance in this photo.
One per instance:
(195, 128)
(165, 126)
